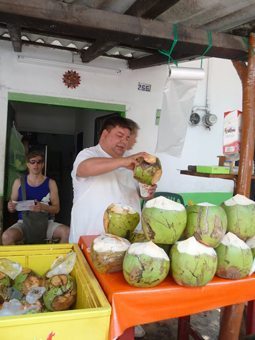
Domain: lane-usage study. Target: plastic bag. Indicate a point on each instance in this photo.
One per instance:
(10, 268)
(35, 294)
(16, 152)
(62, 265)
(15, 307)
(16, 158)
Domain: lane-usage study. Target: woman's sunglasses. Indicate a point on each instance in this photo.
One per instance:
(33, 161)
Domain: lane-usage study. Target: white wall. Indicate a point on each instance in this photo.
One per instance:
(201, 145)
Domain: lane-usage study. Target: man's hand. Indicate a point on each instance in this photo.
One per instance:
(12, 206)
(131, 161)
(150, 190)
(39, 207)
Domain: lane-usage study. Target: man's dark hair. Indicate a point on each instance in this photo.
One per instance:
(35, 153)
(112, 122)
(134, 126)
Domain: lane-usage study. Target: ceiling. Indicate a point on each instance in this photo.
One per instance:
(143, 32)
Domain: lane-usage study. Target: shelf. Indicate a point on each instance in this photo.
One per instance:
(233, 177)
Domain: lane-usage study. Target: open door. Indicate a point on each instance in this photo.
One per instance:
(99, 121)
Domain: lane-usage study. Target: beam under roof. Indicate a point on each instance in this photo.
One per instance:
(15, 36)
(148, 9)
(74, 21)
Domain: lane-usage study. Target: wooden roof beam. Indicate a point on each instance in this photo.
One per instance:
(15, 36)
(149, 9)
(52, 18)
(96, 50)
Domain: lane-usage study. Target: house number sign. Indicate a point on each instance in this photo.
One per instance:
(144, 87)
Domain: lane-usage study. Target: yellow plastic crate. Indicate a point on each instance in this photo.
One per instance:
(89, 319)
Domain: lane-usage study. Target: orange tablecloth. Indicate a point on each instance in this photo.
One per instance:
(132, 306)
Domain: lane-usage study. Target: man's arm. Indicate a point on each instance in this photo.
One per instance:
(101, 165)
(54, 199)
(14, 196)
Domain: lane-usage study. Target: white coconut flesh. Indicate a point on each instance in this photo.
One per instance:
(251, 242)
(231, 239)
(164, 203)
(106, 243)
(206, 204)
(238, 200)
(150, 159)
(121, 209)
(147, 248)
(192, 247)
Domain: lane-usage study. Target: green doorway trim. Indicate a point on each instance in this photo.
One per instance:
(69, 102)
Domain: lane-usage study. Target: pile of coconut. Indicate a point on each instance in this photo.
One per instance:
(191, 244)
(23, 291)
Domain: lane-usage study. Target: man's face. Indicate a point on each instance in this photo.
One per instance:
(132, 139)
(115, 141)
(35, 165)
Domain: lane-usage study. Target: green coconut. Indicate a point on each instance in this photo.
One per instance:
(61, 292)
(5, 284)
(120, 220)
(148, 170)
(107, 252)
(241, 216)
(145, 265)
(163, 220)
(192, 263)
(137, 236)
(251, 243)
(207, 223)
(234, 257)
(26, 280)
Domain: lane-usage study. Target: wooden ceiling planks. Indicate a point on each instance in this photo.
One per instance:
(148, 9)
(76, 22)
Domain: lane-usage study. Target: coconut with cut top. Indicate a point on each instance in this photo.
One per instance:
(234, 258)
(207, 223)
(240, 212)
(163, 220)
(120, 220)
(148, 170)
(26, 280)
(61, 292)
(145, 264)
(137, 236)
(5, 284)
(251, 243)
(192, 263)
(107, 252)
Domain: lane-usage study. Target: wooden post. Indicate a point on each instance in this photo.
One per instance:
(232, 315)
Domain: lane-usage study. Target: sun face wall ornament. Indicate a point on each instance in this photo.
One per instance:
(71, 79)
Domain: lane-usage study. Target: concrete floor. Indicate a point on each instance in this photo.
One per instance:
(206, 323)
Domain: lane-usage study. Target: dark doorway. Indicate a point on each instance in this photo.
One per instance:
(99, 121)
(64, 131)
(79, 142)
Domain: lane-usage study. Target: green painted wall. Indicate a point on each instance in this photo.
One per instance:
(210, 197)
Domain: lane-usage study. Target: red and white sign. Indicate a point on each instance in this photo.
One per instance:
(232, 132)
